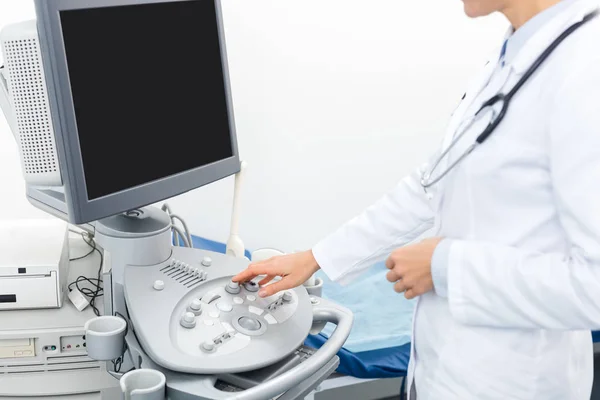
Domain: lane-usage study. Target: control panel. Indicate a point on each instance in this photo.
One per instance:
(190, 316)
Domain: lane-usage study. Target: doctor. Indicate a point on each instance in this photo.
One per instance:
(509, 287)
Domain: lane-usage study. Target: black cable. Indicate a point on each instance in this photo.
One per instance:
(82, 257)
(96, 283)
(118, 362)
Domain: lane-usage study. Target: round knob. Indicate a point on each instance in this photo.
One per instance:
(188, 320)
(232, 288)
(207, 261)
(196, 304)
(208, 346)
(251, 286)
(159, 285)
(287, 297)
(250, 324)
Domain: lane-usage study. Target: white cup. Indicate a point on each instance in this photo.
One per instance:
(143, 384)
(105, 337)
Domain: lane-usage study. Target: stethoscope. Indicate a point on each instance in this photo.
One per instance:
(504, 99)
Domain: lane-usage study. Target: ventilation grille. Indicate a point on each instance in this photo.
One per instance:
(53, 364)
(27, 88)
(184, 273)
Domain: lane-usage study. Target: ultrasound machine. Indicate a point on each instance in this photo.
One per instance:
(117, 105)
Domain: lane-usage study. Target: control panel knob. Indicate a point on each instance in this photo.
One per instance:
(188, 320)
(232, 288)
(196, 307)
(250, 324)
(287, 297)
(207, 261)
(208, 346)
(251, 286)
(159, 285)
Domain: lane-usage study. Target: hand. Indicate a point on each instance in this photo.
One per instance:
(294, 269)
(410, 268)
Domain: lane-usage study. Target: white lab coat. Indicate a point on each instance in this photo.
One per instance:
(523, 211)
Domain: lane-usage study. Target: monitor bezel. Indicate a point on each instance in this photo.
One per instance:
(80, 208)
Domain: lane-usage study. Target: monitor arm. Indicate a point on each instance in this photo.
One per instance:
(5, 103)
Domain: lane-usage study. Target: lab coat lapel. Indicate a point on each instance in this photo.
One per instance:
(462, 113)
(473, 90)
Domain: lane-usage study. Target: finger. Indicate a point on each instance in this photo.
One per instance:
(252, 272)
(392, 276)
(400, 287)
(274, 288)
(389, 263)
(266, 280)
(410, 294)
(244, 276)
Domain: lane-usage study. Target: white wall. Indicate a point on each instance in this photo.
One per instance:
(335, 101)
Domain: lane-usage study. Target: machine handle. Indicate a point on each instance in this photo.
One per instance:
(326, 312)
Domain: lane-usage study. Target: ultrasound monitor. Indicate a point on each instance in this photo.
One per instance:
(139, 98)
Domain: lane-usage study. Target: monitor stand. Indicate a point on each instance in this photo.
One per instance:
(140, 237)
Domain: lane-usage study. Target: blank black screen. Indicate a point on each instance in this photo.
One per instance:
(148, 89)
(8, 298)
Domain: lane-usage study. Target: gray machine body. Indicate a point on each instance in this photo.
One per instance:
(277, 327)
(156, 285)
(184, 386)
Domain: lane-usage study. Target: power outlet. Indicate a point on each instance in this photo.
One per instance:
(72, 343)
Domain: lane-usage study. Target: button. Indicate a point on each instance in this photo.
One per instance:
(18, 353)
(208, 322)
(173, 262)
(208, 346)
(225, 307)
(314, 301)
(207, 261)
(214, 314)
(232, 288)
(196, 307)
(238, 300)
(256, 310)
(204, 275)
(188, 320)
(196, 272)
(251, 286)
(270, 319)
(287, 297)
(251, 298)
(228, 328)
(210, 297)
(250, 324)
(159, 285)
(196, 304)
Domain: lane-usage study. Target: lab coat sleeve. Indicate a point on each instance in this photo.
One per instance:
(499, 286)
(397, 219)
